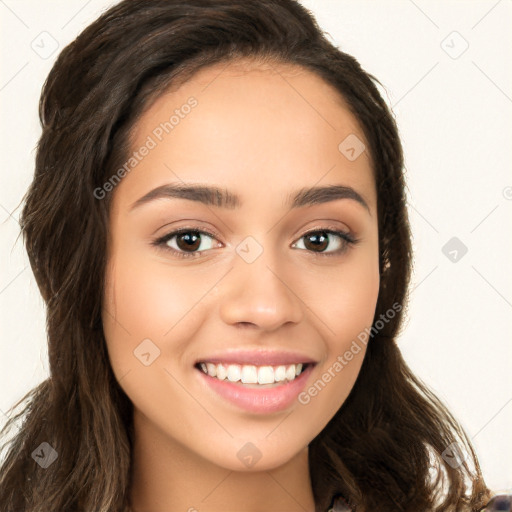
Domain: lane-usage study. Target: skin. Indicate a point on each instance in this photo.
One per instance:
(255, 125)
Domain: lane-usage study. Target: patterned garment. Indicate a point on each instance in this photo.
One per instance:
(499, 503)
(339, 505)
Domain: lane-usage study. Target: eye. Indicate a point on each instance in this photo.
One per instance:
(188, 242)
(318, 240)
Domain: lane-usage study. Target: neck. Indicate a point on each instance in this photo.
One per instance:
(168, 477)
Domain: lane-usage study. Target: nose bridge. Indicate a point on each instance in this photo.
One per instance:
(257, 290)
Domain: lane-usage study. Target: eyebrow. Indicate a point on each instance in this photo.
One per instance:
(223, 198)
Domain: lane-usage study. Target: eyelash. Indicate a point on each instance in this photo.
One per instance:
(347, 241)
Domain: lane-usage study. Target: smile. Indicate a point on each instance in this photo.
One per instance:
(256, 389)
(252, 374)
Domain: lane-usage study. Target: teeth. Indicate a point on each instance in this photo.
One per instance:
(250, 374)
(266, 375)
(211, 369)
(234, 373)
(280, 374)
(222, 372)
(290, 372)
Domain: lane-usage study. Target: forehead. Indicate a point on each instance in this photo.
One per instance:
(253, 125)
(275, 93)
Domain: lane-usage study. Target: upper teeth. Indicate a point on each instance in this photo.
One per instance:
(250, 374)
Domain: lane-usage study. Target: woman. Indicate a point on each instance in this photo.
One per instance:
(261, 373)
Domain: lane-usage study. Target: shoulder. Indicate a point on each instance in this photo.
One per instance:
(339, 505)
(500, 502)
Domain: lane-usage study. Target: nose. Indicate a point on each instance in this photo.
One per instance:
(260, 293)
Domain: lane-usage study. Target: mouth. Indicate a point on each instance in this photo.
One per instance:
(253, 376)
(256, 389)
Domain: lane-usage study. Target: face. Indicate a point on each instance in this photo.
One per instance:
(269, 277)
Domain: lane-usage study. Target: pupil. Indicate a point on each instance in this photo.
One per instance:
(319, 241)
(191, 240)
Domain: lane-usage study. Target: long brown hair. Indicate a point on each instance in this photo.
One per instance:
(383, 450)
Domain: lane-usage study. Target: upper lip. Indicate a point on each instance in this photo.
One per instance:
(257, 357)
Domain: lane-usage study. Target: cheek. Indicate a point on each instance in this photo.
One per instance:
(347, 299)
(142, 303)
(356, 301)
(345, 307)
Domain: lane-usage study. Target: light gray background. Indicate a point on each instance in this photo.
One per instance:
(453, 106)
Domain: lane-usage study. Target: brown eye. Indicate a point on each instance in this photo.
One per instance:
(186, 242)
(190, 240)
(317, 241)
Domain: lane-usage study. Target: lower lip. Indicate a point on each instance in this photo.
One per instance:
(262, 401)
